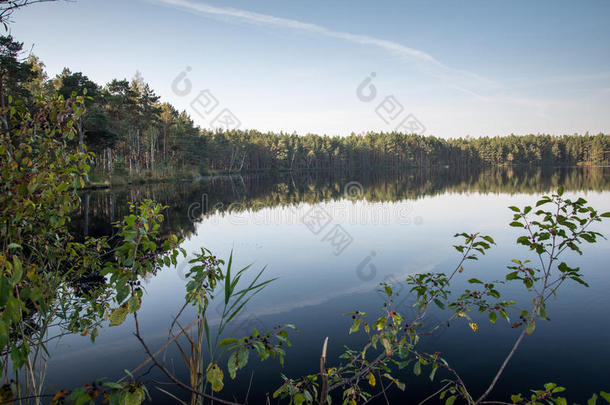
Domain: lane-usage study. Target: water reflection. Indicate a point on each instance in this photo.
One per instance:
(188, 202)
(398, 223)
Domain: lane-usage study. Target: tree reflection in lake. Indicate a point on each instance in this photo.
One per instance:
(188, 201)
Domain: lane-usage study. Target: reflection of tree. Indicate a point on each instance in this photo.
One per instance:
(255, 192)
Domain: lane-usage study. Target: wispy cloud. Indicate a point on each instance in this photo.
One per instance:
(481, 88)
(426, 62)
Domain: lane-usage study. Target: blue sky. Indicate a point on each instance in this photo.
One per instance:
(461, 68)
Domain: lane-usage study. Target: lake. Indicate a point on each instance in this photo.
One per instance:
(393, 225)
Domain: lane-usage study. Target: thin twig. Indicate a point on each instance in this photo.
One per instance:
(436, 393)
(501, 370)
(383, 389)
(170, 375)
(171, 395)
(164, 347)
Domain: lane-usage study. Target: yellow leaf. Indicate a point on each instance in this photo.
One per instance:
(371, 379)
(85, 332)
(461, 314)
(134, 398)
(214, 376)
(59, 397)
(473, 326)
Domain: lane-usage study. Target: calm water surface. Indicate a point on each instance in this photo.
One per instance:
(393, 225)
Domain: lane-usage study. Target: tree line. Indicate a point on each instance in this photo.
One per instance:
(134, 134)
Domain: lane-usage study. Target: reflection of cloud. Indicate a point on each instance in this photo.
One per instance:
(325, 296)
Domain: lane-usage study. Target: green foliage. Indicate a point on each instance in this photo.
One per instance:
(40, 263)
(207, 280)
(393, 339)
(41, 266)
(548, 395)
(136, 135)
(139, 254)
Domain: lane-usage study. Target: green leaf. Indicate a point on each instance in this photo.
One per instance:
(355, 326)
(226, 342)
(82, 399)
(228, 279)
(5, 291)
(560, 401)
(542, 312)
(17, 270)
(439, 303)
(605, 396)
(516, 398)
(475, 281)
(560, 191)
(492, 317)
(117, 316)
(237, 360)
(417, 368)
(4, 334)
(122, 292)
(489, 239)
(450, 400)
(433, 372)
(592, 400)
(523, 240)
(232, 364)
(133, 304)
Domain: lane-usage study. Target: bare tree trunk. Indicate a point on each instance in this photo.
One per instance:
(242, 161)
(152, 152)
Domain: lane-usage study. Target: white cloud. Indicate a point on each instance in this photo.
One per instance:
(489, 97)
(425, 61)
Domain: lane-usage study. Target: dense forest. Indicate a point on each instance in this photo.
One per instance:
(134, 134)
